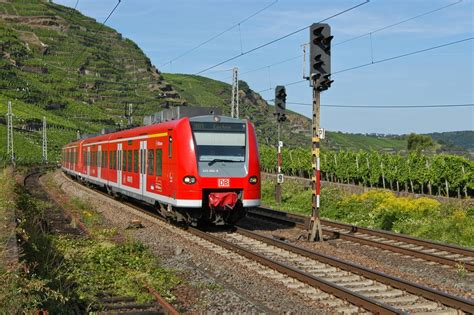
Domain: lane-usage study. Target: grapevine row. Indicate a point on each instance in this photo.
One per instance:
(449, 175)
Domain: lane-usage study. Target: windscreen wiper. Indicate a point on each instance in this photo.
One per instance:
(220, 160)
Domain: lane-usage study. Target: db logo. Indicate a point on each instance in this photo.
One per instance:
(224, 182)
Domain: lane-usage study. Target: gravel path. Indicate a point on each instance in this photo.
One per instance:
(213, 283)
(443, 278)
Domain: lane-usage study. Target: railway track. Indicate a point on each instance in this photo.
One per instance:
(325, 278)
(106, 303)
(444, 254)
(110, 304)
(303, 269)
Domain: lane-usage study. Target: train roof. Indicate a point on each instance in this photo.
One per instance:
(212, 118)
(171, 124)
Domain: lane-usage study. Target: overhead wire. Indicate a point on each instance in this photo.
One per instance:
(400, 22)
(220, 34)
(279, 38)
(359, 36)
(383, 60)
(100, 28)
(381, 106)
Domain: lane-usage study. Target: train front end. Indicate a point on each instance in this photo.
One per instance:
(228, 169)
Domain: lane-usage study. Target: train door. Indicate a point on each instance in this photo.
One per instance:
(142, 169)
(170, 166)
(88, 171)
(119, 164)
(99, 162)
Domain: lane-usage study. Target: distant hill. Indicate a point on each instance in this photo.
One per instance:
(455, 140)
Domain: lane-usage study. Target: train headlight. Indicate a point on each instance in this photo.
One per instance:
(189, 180)
(253, 180)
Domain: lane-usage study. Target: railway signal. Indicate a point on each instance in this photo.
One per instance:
(320, 80)
(280, 102)
(320, 52)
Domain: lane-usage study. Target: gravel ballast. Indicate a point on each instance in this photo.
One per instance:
(433, 275)
(213, 282)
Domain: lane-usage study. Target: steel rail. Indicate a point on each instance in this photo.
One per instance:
(420, 290)
(301, 222)
(338, 291)
(167, 307)
(326, 286)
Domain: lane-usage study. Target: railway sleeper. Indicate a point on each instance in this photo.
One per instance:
(399, 299)
(426, 306)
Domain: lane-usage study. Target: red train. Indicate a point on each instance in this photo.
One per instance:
(197, 169)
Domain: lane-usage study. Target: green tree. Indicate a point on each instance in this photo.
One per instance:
(419, 143)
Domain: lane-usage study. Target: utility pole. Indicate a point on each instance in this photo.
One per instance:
(45, 142)
(305, 47)
(10, 150)
(319, 75)
(316, 232)
(234, 110)
(280, 177)
(130, 114)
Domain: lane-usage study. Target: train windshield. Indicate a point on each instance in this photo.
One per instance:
(219, 142)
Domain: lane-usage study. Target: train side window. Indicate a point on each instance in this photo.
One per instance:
(135, 161)
(151, 161)
(159, 162)
(130, 160)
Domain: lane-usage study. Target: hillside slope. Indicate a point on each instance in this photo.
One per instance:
(57, 63)
(455, 140)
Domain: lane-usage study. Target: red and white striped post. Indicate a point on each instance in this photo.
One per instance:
(279, 164)
(316, 232)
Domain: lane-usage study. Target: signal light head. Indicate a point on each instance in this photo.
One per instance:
(320, 55)
(317, 31)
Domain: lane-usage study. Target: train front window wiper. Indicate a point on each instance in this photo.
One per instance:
(220, 160)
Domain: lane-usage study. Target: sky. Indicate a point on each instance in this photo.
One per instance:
(165, 29)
